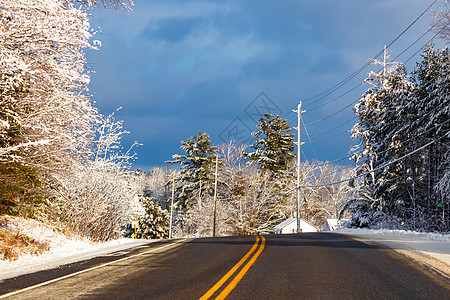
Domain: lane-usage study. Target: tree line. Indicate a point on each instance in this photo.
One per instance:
(256, 186)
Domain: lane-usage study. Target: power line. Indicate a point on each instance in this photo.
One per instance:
(330, 130)
(375, 169)
(259, 204)
(310, 143)
(333, 114)
(360, 84)
(337, 98)
(425, 33)
(339, 181)
(384, 151)
(347, 79)
(354, 74)
(429, 41)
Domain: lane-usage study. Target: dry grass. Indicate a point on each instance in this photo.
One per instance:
(14, 245)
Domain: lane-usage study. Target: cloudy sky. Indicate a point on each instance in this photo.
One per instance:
(178, 68)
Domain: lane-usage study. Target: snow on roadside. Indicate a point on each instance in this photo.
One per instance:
(63, 249)
(428, 235)
(431, 249)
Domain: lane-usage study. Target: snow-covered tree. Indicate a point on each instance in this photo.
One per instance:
(100, 195)
(154, 224)
(43, 81)
(442, 26)
(48, 125)
(399, 115)
(197, 168)
(274, 145)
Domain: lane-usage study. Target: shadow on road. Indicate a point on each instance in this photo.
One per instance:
(322, 239)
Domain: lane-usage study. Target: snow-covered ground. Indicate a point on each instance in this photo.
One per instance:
(63, 249)
(430, 249)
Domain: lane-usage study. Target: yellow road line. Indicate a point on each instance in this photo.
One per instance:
(241, 274)
(231, 272)
(171, 245)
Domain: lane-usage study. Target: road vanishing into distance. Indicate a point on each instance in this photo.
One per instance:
(296, 266)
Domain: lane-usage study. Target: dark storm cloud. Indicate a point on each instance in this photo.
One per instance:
(179, 67)
(173, 31)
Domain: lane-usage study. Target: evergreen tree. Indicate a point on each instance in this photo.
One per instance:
(399, 114)
(274, 154)
(380, 138)
(197, 168)
(154, 224)
(274, 145)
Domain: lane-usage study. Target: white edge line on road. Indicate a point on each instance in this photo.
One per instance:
(92, 268)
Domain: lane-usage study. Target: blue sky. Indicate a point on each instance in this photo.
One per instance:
(178, 68)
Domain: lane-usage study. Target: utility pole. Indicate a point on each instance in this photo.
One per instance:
(215, 195)
(171, 207)
(299, 143)
(384, 60)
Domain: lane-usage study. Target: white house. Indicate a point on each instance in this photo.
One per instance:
(290, 226)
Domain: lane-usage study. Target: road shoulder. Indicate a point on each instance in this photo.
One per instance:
(432, 255)
(53, 260)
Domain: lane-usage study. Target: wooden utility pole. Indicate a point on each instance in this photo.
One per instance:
(171, 207)
(299, 143)
(215, 194)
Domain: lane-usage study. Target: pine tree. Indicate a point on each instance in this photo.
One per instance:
(274, 144)
(381, 141)
(274, 155)
(398, 115)
(154, 224)
(197, 168)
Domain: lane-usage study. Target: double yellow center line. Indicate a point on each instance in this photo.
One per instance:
(239, 276)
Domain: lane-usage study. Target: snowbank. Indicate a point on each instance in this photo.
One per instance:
(63, 249)
(427, 235)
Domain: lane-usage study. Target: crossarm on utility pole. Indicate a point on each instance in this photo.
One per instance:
(299, 143)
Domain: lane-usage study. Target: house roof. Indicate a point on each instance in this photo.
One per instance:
(291, 220)
(285, 223)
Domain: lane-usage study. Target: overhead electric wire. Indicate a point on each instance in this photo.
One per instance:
(390, 149)
(354, 74)
(332, 136)
(375, 169)
(332, 129)
(425, 33)
(307, 134)
(344, 81)
(336, 98)
(332, 90)
(429, 41)
(333, 114)
(339, 181)
(259, 204)
(354, 102)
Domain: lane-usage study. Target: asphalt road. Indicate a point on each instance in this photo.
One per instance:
(306, 266)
